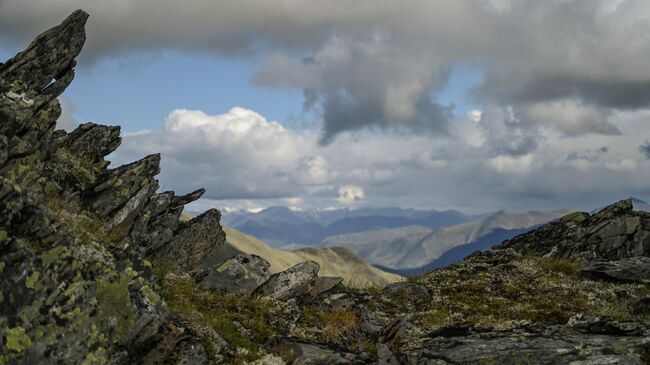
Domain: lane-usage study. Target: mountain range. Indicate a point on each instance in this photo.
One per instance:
(282, 226)
(403, 241)
(398, 240)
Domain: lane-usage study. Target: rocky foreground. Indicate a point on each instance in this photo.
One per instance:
(96, 268)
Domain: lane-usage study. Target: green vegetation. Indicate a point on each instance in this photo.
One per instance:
(533, 289)
(557, 265)
(241, 320)
(338, 325)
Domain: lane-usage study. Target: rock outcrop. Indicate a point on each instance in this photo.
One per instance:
(614, 233)
(97, 268)
(71, 290)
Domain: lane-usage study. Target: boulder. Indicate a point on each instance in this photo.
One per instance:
(241, 273)
(295, 282)
(93, 141)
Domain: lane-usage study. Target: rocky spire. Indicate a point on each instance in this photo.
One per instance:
(74, 285)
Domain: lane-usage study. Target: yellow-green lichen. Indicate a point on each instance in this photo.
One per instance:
(97, 357)
(52, 255)
(32, 280)
(17, 339)
(150, 294)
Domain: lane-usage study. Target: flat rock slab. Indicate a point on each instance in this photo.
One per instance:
(296, 281)
(633, 269)
(241, 273)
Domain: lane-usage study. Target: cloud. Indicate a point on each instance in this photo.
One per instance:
(248, 162)
(563, 64)
(645, 149)
(66, 120)
(238, 154)
(350, 194)
(391, 90)
(588, 155)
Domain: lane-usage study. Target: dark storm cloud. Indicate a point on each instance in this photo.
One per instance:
(588, 155)
(645, 150)
(377, 62)
(341, 113)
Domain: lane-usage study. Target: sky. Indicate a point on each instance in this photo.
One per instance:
(474, 105)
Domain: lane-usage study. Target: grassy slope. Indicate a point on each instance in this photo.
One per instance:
(334, 261)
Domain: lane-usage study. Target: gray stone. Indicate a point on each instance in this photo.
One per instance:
(121, 193)
(239, 274)
(632, 269)
(295, 282)
(614, 233)
(324, 284)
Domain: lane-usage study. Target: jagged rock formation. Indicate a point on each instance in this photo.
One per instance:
(97, 268)
(615, 232)
(71, 289)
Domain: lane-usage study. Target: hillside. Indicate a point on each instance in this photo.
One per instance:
(415, 246)
(335, 261)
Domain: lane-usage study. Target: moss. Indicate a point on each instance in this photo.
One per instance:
(2, 266)
(3, 235)
(17, 339)
(97, 357)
